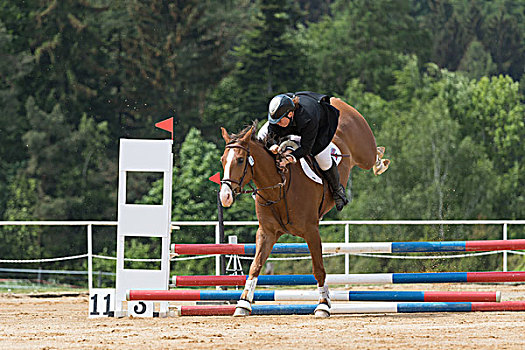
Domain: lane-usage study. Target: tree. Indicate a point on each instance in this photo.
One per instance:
(70, 61)
(503, 34)
(314, 10)
(68, 165)
(477, 62)
(13, 67)
(268, 62)
(459, 27)
(437, 171)
(65, 178)
(365, 40)
(173, 55)
(491, 111)
(450, 34)
(18, 241)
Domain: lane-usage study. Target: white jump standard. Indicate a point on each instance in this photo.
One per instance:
(138, 220)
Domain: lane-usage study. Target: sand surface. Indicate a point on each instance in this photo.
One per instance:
(61, 322)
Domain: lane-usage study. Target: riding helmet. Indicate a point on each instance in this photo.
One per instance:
(279, 107)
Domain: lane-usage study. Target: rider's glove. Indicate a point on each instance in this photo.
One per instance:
(274, 149)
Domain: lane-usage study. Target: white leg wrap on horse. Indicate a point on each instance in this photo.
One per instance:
(250, 288)
(244, 306)
(324, 293)
(323, 308)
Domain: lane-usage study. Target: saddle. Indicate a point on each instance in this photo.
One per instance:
(309, 165)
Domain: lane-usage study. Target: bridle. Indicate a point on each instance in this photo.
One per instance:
(254, 190)
(238, 190)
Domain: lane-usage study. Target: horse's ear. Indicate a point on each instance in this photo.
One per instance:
(225, 135)
(248, 135)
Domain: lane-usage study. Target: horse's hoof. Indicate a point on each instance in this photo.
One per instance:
(381, 167)
(243, 309)
(321, 314)
(322, 311)
(241, 312)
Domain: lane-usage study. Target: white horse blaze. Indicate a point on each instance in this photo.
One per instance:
(226, 194)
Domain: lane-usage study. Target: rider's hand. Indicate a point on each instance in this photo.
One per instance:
(274, 149)
(287, 159)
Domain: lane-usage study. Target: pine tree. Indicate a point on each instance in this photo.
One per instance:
(69, 165)
(173, 55)
(269, 61)
(450, 36)
(70, 59)
(14, 66)
(503, 34)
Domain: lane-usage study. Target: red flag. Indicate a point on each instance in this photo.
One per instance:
(166, 125)
(216, 178)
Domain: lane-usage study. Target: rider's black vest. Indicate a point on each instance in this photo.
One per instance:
(315, 120)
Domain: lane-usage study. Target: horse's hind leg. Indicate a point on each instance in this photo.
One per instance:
(264, 245)
(316, 251)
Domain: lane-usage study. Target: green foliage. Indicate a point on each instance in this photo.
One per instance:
(365, 40)
(492, 112)
(477, 62)
(503, 34)
(16, 239)
(70, 59)
(14, 66)
(441, 134)
(457, 25)
(173, 55)
(67, 163)
(268, 62)
(438, 174)
(441, 84)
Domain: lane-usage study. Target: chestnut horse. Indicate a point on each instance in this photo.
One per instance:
(289, 202)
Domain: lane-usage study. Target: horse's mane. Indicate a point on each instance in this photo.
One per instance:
(253, 138)
(239, 135)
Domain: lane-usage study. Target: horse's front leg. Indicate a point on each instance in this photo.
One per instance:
(264, 244)
(316, 251)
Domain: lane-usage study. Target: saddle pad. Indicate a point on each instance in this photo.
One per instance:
(334, 150)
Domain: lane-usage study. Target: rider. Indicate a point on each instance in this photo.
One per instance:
(310, 116)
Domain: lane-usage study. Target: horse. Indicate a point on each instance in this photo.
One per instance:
(288, 201)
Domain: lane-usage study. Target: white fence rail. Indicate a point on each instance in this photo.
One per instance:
(347, 223)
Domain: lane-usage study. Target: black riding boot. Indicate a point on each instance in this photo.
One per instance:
(338, 191)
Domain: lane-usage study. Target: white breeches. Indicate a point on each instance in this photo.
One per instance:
(324, 158)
